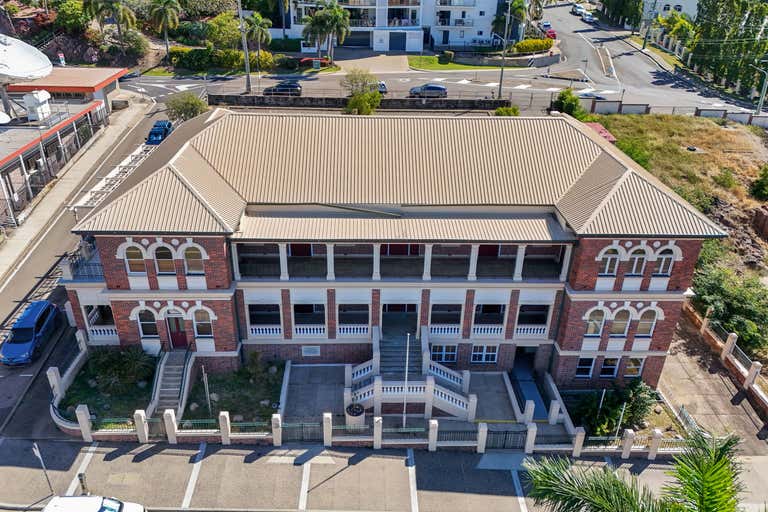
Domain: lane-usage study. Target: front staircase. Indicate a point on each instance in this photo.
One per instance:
(170, 382)
(393, 358)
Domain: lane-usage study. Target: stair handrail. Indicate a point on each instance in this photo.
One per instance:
(155, 397)
(372, 366)
(376, 345)
(438, 370)
(186, 383)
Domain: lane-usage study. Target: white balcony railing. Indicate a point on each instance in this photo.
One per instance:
(353, 330)
(102, 331)
(445, 329)
(531, 331)
(266, 330)
(309, 330)
(487, 330)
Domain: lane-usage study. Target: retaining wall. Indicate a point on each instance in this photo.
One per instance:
(339, 103)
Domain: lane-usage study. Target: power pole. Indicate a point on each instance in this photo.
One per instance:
(504, 47)
(648, 22)
(245, 48)
(760, 102)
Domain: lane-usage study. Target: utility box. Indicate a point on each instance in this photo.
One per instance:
(36, 103)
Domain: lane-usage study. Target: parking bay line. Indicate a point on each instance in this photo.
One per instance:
(82, 468)
(411, 463)
(193, 477)
(519, 491)
(305, 471)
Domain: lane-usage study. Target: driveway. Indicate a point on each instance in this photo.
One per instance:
(694, 377)
(375, 62)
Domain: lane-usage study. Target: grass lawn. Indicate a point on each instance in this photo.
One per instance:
(241, 393)
(430, 63)
(668, 57)
(304, 72)
(163, 71)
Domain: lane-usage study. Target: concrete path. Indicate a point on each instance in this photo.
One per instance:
(492, 397)
(314, 390)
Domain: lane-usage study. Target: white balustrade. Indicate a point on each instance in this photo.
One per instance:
(266, 330)
(531, 331)
(362, 370)
(398, 388)
(102, 331)
(353, 330)
(452, 398)
(444, 329)
(309, 330)
(362, 395)
(487, 330)
(444, 373)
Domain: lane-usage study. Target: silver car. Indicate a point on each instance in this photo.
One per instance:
(429, 91)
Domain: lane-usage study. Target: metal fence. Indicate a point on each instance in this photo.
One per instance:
(309, 432)
(404, 433)
(689, 424)
(602, 442)
(668, 443)
(250, 427)
(457, 435)
(209, 425)
(352, 430)
(563, 438)
(741, 357)
(506, 439)
(717, 328)
(113, 424)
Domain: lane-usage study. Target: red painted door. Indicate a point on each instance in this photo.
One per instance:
(177, 332)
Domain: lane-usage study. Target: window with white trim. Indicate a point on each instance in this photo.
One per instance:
(595, 322)
(134, 260)
(444, 353)
(164, 261)
(620, 324)
(203, 326)
(634, 367)
(636, 263)
(609, 263)
(646, 325)
(609, 367)
(147, 324)
(193, 261)
(484, 353)
(664, 262)
(584, 367)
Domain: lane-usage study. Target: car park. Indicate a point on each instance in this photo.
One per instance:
(90, 504)
(284, 89)
(429, 91)
(159, 132)
(29, 333)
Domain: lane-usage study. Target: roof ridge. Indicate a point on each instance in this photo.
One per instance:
(200, 197)
(617, 184)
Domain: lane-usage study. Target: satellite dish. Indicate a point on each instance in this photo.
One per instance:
(20, 62)
(4, 118)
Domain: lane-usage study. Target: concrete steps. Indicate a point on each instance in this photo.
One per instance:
(393, 352)
(170, 382)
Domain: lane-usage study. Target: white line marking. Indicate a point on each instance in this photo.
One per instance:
(492, 84)
(553, 89)
(304, 486)
(193, 477)
(608, 91)
(519, 491)
(411, 463)
(26, 375)
(439, 79)
(464, 81)
(83, 466)
(522, 86)
(582, 91)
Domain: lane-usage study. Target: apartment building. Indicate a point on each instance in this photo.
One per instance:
(497, 241)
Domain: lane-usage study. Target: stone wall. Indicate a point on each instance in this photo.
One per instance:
(386, 103)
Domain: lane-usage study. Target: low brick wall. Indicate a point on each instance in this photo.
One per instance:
(242, 100)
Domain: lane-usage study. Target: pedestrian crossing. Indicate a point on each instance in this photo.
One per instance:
(520, 87)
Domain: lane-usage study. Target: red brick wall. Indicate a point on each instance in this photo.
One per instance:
(115, 273)
(218, 265)
(181, 276)
(542, 358)
(127, 329)
(285, 306)
(151, 274)
(375, 307)
(352, 353)
(509, 331)
(469, 313)
(217, 364)
(564, 371)
(504, 360)
(424, 308)
(331, 313)
(224, 327)
(682, 272)
(556, 312)
(77, 311)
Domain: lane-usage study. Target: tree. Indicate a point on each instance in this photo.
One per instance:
(185, 105)
(363, 103)
(338, 25)
(518, 11)
(568, 103)
(71, 17)
(282, 8)
(329, 21)
(316, 29)
(512, 111)
(359, 81)
(165, 15)
(121, 13)
(257, 29)
(706, 479)
(224, 31)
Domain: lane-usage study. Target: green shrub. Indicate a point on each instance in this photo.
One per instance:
(223, 31)
(195, 59)
(136, 45)
(227, 59)
(115, 370)
(638, 397)
(725, 179)
(286, 62)
(533, 45)
(568, 103)
(70, 17)
(11, 9)
(363, 103)
(697, 196)
(285, 45)
(514, 110)
(446, 57)
(635, 148)
(205, 8)
(185, 105)
(264, 58)
(759, 188)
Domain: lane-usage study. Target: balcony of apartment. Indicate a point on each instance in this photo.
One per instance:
(264, 321)
(445, 321)
(358, 3)
(354, 261)
(456, 3)
(307, 261)
(82, 265)
(258, 261)
(402, 20)
(101, 324)
(309, 321)
(545, 262)
(404, 3)
(449, 261)
(365, 22)
(489, 320)
(401, 261)
(455, 22)
(533, 321)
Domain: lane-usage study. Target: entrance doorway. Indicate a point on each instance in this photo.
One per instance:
(399, 319)
(176, 330)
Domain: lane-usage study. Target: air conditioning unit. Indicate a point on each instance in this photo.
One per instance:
(36, 103)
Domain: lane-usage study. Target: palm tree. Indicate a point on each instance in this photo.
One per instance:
(338, 24)
(122, 14)
(165, 15)
(517, 10)
(706, 480)
(258, 30)
(317, 29)
(93, 9)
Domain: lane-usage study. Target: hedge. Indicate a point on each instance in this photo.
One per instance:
(201, 59)
(533, 45)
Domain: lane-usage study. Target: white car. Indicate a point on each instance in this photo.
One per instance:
(588, 18)
(90, 504)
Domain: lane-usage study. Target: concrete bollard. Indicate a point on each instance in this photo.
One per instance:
(530, 438)
(432, 439)
(225, 427)
(653, 449)
(377, 395)
(347, 397)
(68, 311)
(628, 441)
(578, 441)
(142, 427)
(82, 340)
(482, 437)
(84, 420)
(554, 411)
(378, 431)
(466, 375)
(54, 380)
(347, 375)
(277, 430)
(729, 344)
(169, 417)
(429, 396)
(472, 410)
(327, 429)
(528, 411)
(752, 373)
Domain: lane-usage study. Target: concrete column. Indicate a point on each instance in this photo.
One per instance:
(235, 264)
(376, 262)
(554, 411)
(169, 417)
(519, 262)
(378, 430)
(283, 248)
(653, 449)
(754, 371)
(225, 427)
(465, 377)
(329, 262)
(377, 395)
(142, 428)
(77, 135)
(277, 430)
(427, 275)
(432, 438)
(530, 438)
(347, 375)
(7, 196)
(628, 440)
(482, 437)
(82, 340)
(83, 416)
(566, 262)
(327, 429)
(729, 344)
(347, 397)
(472, 274)
(54, 380)
(578, 441)
(429, 396)
(68, 311)
(472, 411)
(528, 411)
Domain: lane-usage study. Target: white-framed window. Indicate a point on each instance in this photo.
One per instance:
(609, 263)
(584, 367)
(193, 261)
(595, 322)
(164, 261)
(609, 367)
(636, 263)
(147, 324)
(620, 324)
(134, 261)
(679, 8)
(634, 367)
(647, 324)
(444, 353)
(664, 263)
(203, 326)
(484, 353)
(666, 7)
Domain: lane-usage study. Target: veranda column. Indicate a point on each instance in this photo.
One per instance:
(566, 262)
(519, 262)
(427, 262)
(376, 262)
(472, 275)
(329, 260)
(283, 248)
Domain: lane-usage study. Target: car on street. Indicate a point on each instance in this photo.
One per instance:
(578, 9)
(90, 504)
(545, 25)
(590, 95)
(551, 34)
(382, 87)
(29, 333)
(128, 76)
(429, 91)
(588, 18)
(159, 132)
(284, 89)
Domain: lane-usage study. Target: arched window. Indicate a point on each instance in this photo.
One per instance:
(666, 7)
(193, 260)
(147, 324)
(620, 323)
(664, 262)
(164, 261)
(203, 327)
(636, 263)
(609, 263)
(595, 323)
(679, 8)
(646, 324)
(134, 259)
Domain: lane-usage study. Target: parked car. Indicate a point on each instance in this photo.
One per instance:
(90, 504)
(545, 25)
(588, 18)
(382, 87)
(590, 95)
(159, 132)
(578, 9)
(551, 34)
(128, 76)
(284, 89)
(29, 333)
(429, 91)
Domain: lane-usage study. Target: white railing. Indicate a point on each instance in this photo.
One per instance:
(487, 330)
(445, 329)
(363, 395)
(104, 331)
(353, 330)
(309, 330)
(186, 384)
(531, 331)
(362, 370)
(398, 388)
(446, 374)
(454, 399)
(266, 330)
(155, 397)
(554, 394)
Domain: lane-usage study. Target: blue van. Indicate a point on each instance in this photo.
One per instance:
(29, 333)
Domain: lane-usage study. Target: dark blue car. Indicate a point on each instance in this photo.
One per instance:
(160, 130)
(29, 333)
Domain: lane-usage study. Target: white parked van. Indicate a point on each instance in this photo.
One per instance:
(90, 504)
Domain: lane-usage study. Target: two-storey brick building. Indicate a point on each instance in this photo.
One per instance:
(504, 239)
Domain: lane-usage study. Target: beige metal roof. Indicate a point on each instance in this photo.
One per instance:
(71, 79)
(542, 228)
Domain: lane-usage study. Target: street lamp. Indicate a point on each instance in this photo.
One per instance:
(762, 93)
(504, 47)
(245, 48)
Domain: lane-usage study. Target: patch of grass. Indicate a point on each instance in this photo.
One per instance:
(669, 58)
(304, 72)
(430, 63)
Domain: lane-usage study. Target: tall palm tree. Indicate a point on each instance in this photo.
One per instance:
(93, 9)
(122, 14)
(257, 29)
(164, 15)
(338, 21)
(317, 28)
(706, 479)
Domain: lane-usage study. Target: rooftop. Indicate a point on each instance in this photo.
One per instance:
(71, 79)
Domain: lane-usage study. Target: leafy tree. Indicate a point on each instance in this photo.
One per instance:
(71, 18)
(203, 8)
(258, 31)
(185, 105)
(512, 111)
(165, 15)
(317, 28)
(363, 103)
(568, 103)
(759, 188)
(518, 12)
(121, 13)
(358, 81)
(224, 31)
(338, 19)
(638, 397)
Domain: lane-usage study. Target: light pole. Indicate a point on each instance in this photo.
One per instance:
(762, 92)
(649, 22)
(245, 48)
(504, 47)
(405, 387)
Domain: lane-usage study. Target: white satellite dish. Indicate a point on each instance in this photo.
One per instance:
(4, 118)
(21, 62)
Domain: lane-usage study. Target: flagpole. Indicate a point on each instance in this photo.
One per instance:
(405, 388)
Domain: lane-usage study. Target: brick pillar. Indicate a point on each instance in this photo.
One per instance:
(606, 334)
(631, 334)
(424, 309)
(189, 330)
(554, 322)
(650, 266)
(151, 274)
(162, 331)
(285, 306)
(331, 313)
(376, 307)
(622, 269)
(241, 314)
(181, 274)
(469, 311)
(77, 311)
(509, 330)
